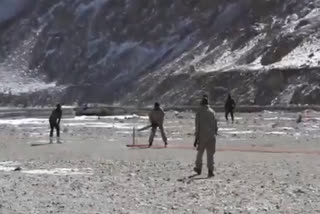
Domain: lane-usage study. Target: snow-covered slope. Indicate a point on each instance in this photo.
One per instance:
(134, 51)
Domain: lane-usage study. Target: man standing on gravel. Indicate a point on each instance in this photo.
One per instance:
(54, 121)
(205, 136)
(229, 107)
(156, 117)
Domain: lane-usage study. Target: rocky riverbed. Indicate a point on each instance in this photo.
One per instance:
(265, 163)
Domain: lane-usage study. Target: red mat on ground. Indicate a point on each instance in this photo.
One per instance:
(142, 146)
(232, 149)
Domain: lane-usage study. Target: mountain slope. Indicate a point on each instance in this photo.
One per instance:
(130, 51)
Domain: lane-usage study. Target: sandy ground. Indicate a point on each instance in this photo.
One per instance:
(94, 172)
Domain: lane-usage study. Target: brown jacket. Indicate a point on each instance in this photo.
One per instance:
(206, 125)
(156, 117)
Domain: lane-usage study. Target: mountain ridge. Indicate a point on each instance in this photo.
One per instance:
(136, 52)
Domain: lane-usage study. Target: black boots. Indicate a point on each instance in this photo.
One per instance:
(198, 171)
(210, 174)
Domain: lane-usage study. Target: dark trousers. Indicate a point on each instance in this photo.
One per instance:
(54, 125)
(210, 147)
(227, 114)
(153, 133)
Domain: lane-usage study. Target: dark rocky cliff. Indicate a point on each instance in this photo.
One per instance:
(138, 51)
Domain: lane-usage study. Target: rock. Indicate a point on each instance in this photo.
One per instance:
(311, 55)
(299, 191)
(17, 168)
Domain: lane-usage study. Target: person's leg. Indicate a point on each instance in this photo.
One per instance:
(58, 133)
(163, 135)
(58, 130)
(211, 147)
(198, 162)
(51, 129)
(152, 134)
(51, 132)
(232, 117)
(226, 115)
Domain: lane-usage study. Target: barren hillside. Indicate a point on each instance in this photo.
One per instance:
(136, 51)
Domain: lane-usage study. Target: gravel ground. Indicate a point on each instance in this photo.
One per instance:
(94, 172)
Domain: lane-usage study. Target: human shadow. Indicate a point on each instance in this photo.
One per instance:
(146, 147)
(202, 178)
(41, 144)
(193, 177)
(187, 178)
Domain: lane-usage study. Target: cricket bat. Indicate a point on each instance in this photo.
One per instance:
(144, 128)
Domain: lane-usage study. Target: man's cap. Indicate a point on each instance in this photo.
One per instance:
(204, 101)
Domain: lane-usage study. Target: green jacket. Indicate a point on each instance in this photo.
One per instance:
(206, 125)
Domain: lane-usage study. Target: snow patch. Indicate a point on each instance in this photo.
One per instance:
(60, 171)
(276, 133)
(239, 132)
(23, 121)
(228, 60)
(8, 166)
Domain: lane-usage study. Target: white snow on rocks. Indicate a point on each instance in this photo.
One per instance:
(9, 166)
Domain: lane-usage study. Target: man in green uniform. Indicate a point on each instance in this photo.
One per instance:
(206, 129)
(156, 117)
(54, 121)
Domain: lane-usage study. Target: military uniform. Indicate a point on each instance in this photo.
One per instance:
(54, 121)
(205, 133)
(229, 107)
(156, 117)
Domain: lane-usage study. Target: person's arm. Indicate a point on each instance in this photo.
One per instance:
(233, 104)
(59, 118)
(162, 117)
(216, 126)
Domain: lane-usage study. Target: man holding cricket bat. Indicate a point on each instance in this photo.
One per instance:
(156, 117)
